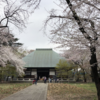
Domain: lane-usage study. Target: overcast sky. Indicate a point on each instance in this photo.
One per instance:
(31, 36)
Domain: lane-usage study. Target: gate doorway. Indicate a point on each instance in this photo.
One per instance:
(42, 72)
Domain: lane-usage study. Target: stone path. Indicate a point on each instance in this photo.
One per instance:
(34, 92)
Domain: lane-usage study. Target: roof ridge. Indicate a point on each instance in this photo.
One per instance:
(44, 49)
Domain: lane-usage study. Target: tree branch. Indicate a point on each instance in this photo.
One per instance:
(79, 22)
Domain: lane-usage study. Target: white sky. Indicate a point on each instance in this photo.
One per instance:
(31, 36)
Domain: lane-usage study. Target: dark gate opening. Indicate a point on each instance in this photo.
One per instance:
(42, 72)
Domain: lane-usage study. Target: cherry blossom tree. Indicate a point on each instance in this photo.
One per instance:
(22, 51)
(7, 54)
(79, 57)
(13, 13)
(8, 51)
(77, 23)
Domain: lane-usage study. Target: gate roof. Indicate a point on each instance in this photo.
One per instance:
(42, 58)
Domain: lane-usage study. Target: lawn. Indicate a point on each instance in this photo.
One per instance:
(10, 88)
(88, 86)
(64, 91)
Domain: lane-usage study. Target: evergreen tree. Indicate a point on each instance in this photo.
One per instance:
(64, 68)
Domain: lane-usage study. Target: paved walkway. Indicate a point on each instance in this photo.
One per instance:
(33, 92)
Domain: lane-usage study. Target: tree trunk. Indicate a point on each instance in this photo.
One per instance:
(7, 78)
(78, 76)
(84, 77)
(94, 65)
(74, 74)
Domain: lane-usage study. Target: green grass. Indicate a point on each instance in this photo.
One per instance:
(88, 86)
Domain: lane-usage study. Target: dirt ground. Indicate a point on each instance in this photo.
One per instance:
(61, 91)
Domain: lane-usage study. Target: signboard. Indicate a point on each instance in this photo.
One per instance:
(33, 73)
(52, 73)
